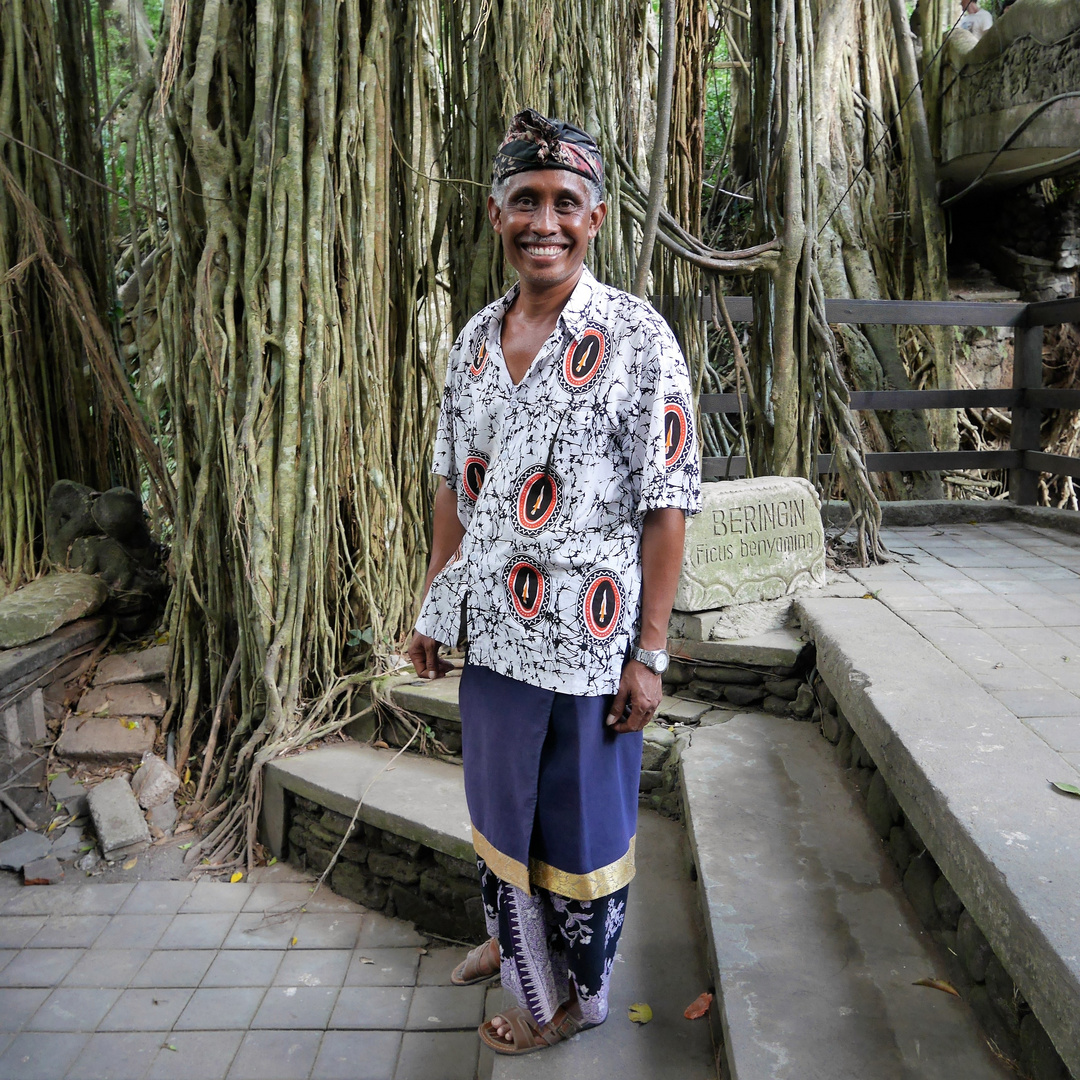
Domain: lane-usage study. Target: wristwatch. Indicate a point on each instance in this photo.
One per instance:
(656, 660)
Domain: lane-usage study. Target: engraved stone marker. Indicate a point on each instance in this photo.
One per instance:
(753, 540)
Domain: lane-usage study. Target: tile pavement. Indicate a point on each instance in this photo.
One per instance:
(1002, 602)
(208, 981)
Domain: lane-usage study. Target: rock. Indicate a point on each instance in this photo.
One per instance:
(805, 705)
(154, 782)
(724, 673)
(409, 848)
(744, 620)
(317, 857)
(89, 862)
(973, 948)
(776, 706)
(447, 890)
(47, 871)
(700, 690)
(93, 738)
(678, 674)
(650, 779)
(355, 884)
(949, 905)
(716, 716)
(390, 866)
(125, 699)
(431, 916)
(755, 540)
(860, 756)
(147, 665)
(744, 695)
(919, 886)
(23, 848)
(337, 823)
(67, 844)
(120, 825)
(458, 867)
(900, 848)
(163, 816)
(983, 1008)
(830, 727)
(653, 756)
(877, 807)
(825, 696)
(785, 688)
(1038, 1058)
(843, 748)
(42, 607)
(1003, 996)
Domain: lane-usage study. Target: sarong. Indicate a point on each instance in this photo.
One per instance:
(552, 791)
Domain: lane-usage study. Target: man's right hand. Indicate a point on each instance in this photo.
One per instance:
(424, 654)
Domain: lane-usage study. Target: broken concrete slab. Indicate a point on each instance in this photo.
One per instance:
(105, 738)
(147, 665)
(118, 820)
(814, 945)
(154, 782)
(18, 664)
(163, 816)
(47, 871)
(68, 843)
(24, 722)
(777, 648)
(125, 699)
(42, 607)
(22, 848)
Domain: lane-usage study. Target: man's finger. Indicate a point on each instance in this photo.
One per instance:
(431, 649)
(618, 706)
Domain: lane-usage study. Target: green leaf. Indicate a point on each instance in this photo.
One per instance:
(639, 1013)
(184, 847)
(1065, 787)
(272, 861)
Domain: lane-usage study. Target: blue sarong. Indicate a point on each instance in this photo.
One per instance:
(552, 791)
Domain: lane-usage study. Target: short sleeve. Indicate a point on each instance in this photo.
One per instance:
(445, 458)
(665, 456)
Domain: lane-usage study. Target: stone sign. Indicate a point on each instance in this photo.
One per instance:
(753, 540)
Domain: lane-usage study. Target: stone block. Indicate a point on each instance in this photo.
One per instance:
(105, 739)
(1038, 1058)
(785, 688)
(47, 871)
(125, 699)
(23, 848)
(163, 816)
(62, 789)
(409, 848)
(919, 886)
(120, 825)
(458, 867)
(900, 848)
(728, 673)
(996, 1028)
(744, 695)
(154, 782)
(699, 690)
(147, 665)
(950, 906)
(830, 727)
(393, 867)
(804, 705)
(678, 674)
(355, 883)
(431, 916)
(877, 807)
(338, 824)
(755, 540)
(447, 890)
(973, 948)
(318, 857)
(43, 606)
(1003, 995)
(650, 779)
(23, 665)
(653, 754)
(776, 706)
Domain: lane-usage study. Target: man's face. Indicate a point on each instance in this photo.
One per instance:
(546, 224)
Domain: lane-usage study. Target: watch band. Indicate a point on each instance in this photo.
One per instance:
(656, 660)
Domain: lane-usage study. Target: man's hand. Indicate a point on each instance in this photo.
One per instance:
(639, 688)
(424, 654)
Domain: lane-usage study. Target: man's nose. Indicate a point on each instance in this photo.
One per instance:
(545, 220)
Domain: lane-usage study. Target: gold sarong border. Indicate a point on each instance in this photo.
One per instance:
(590, 886)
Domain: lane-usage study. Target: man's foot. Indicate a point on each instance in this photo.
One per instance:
(481, 964)
(514, 1030)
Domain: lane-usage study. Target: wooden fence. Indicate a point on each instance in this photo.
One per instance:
(1026, 399)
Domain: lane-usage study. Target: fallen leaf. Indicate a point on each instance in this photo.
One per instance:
(169, 1046)
(639, 1013)
(130, 864)
(1065, 787)
(938, 984)
(698, 1007)
(185, 827)
(366, 960)
(238, 875)
(187, 775)
(293, 942)
(381, 744)
(868, 596)
(184, 847)
(272, 861)
(131, 725)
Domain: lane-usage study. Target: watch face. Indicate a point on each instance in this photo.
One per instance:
(660, 662)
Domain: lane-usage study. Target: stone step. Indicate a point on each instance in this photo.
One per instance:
(972, 780)
(814, 945)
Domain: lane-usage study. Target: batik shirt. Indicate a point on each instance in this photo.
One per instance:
(553, 479)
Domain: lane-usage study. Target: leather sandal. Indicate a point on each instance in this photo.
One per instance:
(476, 967)
(527, 1037)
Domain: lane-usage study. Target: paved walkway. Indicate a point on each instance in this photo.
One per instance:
(1002, 602)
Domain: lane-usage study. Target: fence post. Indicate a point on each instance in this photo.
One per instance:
(1026, 419)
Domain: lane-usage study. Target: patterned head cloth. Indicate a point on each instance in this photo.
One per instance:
(535, 142)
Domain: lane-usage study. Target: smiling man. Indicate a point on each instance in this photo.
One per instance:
(568, 459)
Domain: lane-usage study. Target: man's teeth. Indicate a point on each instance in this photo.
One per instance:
(543, 249)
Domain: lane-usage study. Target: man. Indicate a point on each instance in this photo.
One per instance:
(568, 459)
(975, 20)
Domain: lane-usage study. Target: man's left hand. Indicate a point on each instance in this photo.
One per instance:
(641, 690)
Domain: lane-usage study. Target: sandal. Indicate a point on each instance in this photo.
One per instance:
(527, 1037)
(476, 967)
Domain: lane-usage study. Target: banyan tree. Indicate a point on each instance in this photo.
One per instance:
(304, 230)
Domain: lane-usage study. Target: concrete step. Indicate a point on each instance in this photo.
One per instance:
(661, 962)
(815, 947)
(972, 780)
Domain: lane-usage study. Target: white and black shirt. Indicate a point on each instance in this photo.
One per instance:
(553, 479)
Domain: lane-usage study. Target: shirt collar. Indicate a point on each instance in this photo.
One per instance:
(574, 315)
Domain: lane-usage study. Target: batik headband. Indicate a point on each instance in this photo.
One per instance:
(535, 142)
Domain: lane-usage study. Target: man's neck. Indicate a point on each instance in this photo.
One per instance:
(538, 305)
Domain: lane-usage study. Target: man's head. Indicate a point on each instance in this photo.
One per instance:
(969, 6)
(546, 199)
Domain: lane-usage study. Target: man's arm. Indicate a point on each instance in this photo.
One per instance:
(662, 537)
(447, 533)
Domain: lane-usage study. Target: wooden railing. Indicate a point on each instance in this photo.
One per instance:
(1026, 399)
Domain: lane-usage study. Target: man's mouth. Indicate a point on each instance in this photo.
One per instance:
(543, 251)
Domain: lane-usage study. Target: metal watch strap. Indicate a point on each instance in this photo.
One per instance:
(649, 658)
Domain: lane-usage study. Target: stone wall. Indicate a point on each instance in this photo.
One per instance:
(389, 873)
(976, 972)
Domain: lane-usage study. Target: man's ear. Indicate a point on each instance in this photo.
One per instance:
(596, 218)
(494, 214)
